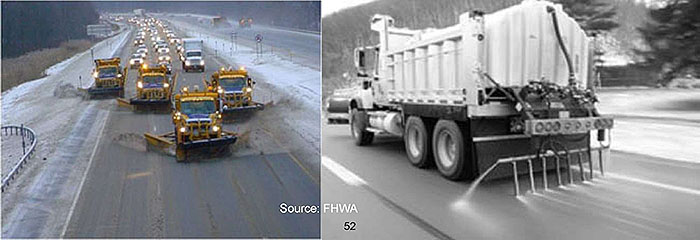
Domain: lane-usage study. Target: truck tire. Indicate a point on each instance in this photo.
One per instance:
(416, 138)
(448, 150)
(358, 126)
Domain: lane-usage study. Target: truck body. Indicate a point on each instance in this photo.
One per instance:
(109, 78)
(197, 125)
(511, 83)
(235, 89)
(192, 54)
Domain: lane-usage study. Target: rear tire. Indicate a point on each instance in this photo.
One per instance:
(358, 126)
(416, 138)
(448, 150)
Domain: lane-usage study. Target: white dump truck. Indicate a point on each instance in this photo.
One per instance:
(507, 87)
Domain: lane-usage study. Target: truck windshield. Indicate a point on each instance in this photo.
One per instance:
(107, 72)
(197, 107)
(194, 54)
(232, 84)
(153, 79)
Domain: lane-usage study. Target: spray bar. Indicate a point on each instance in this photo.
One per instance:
(529, 158)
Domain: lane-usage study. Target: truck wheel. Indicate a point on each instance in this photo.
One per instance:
(448, 146)
(357, 128)
(417, 142)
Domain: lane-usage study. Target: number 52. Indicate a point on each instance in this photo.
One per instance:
(349, 226)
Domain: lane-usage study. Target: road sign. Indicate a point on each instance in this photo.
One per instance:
(258, 38)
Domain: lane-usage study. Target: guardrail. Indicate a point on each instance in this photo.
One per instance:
(27, 153)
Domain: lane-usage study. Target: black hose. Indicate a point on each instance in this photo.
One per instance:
(555, 22)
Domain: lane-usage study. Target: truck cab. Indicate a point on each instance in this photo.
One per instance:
(153, 86)
(192, 55)
(193, 60)
(235, 89)
(198, 122)
(109, 77)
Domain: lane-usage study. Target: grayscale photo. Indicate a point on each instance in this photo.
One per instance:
(511, 119)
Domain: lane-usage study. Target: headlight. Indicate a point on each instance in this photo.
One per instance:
(119, 75)
(139, 84)
(183, 129)
(249, 89)
(215, 128)
(166, 85)
(220, 91)
(132, 61)
(187, 62)
(94, 74)
(201, 62)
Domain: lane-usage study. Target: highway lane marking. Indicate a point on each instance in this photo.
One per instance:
(655, 184)
(87, 170)
(343, 173)
(137, 175)
(94, 151)
(352, 179)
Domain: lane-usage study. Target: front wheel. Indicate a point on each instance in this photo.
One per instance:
(358, 128)
(448, 150)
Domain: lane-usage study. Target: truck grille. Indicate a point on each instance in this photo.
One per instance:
(153, 94)
(111, 82)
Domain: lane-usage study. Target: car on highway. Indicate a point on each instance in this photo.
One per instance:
(164, 57)
(142, 50)
(136, 60)
(167, 66)
(163, 49)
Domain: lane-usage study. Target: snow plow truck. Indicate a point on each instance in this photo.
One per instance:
(109, 79)
(235, 90)
(154, 88)
(197, 127)
(483, 98)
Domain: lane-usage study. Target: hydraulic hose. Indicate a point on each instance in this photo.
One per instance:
(555, 22)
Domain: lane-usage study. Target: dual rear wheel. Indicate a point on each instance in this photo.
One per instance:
(441, 144)
(426, 143)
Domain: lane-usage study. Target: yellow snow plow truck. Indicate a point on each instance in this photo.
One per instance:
(109, 79)
(235, 90)
(197, 126)
(154, 88)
